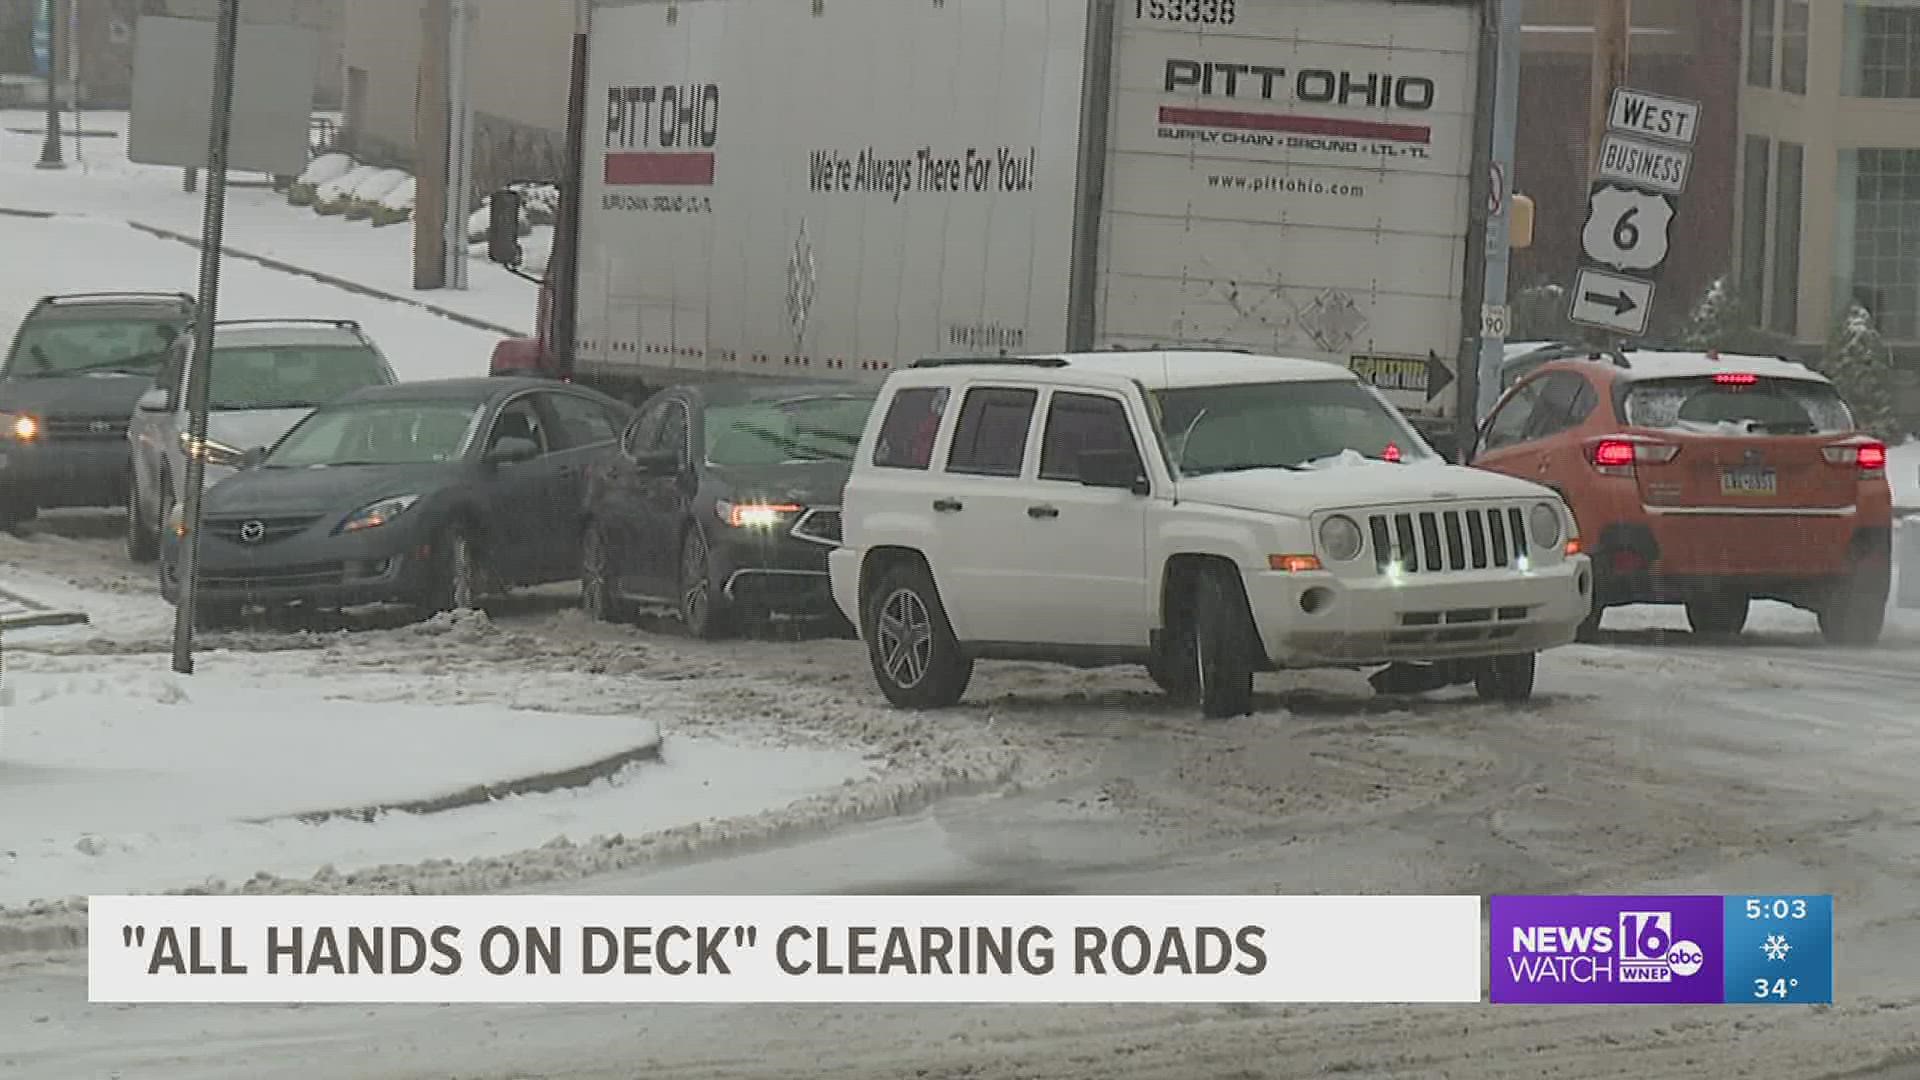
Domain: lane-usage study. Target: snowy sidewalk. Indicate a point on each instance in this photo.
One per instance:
(259, 222)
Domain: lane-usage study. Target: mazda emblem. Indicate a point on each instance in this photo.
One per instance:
(252, 531)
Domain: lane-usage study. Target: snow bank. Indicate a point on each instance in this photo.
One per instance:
(326, 167)
(343, 186)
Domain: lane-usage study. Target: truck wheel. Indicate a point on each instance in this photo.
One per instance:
(16, 512)
(707, 614)
(1718, 614)
(1856, 613)
(916, 658)
(1506, 678)
(143, 544)
(599, 570)
(1221, 646)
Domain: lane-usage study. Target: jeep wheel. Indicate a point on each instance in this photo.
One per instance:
(916, 658)
(143, 543)
(1221, 646)
(705, 612)
(599, 575)
(1857, 611)
(1506, 678)
(1718, 614)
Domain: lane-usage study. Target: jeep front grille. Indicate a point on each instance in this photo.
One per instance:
(1438, 541)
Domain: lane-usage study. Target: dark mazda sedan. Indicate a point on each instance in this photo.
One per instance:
(723, 500)
(430, 493)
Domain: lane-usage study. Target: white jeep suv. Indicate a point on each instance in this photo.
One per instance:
(1207, 514)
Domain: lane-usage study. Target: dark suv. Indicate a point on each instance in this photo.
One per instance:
(77, 365)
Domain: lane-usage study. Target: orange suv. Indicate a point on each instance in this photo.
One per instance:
(1707, 480)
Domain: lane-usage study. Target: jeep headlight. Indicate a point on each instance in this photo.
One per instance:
(1341, 539)
(1544, 522)
(377, 513)
(213, 451)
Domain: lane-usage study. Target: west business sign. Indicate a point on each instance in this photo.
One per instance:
(1231, 84)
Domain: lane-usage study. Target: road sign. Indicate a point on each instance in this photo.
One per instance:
(173, 93)
(1636, 112)
(1645, 164)
(1627, 229)
(1612, 302)
(1400, 374)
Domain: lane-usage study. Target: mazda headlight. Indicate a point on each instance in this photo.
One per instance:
(212, 451)
(1341, 539)
(378, 513)
(20, 427)
(1544, 522)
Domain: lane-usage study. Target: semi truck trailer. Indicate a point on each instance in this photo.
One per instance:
(838, 188)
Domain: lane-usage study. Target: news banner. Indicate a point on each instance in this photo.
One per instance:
(1543, 950)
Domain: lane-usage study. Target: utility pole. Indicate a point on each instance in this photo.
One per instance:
(460, 143)
(430, 157)
(56, 51)
(1506, 120)
(1612, 33)
(212, 233)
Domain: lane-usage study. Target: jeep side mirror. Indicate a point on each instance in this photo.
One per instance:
(503, 227)
(1118, 469)
(154, 400)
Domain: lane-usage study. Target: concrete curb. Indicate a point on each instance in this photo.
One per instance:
(19, 612)
(330, 279)
(540, 784)
(36, 214)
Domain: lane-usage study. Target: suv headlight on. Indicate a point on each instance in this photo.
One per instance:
(213, 451)
(377, 513)
(1546, 525)
(20, 427)
(1341, 538)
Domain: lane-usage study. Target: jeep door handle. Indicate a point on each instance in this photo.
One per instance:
(947, 506)
(1043, 512)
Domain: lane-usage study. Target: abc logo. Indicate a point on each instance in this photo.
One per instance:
(1685, 958)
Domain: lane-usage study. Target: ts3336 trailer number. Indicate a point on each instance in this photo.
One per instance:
(1205, 12)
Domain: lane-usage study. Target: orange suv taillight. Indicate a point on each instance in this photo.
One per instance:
(1616, 455)
(1867, 455)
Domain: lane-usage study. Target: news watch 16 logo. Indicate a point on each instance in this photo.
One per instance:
(1597, 950)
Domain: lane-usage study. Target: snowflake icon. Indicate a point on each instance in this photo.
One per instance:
(1776, 947)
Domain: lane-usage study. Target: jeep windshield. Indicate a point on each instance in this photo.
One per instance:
(1281, 425)
(290, 376)
(1733, 405)
(58, 348)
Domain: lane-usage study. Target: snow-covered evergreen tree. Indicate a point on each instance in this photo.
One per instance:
(1719, 319)
(1861, 367)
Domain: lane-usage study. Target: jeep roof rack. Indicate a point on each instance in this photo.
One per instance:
(111, 297)
(969, 361)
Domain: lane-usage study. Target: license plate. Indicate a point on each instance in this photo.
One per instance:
(1749, 482)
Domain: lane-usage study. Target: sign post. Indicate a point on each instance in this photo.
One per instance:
(1641, 168)
(171, 78)
(1495, 315)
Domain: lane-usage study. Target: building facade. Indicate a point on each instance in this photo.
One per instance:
(105, 46)
(1830, 165)
(1682, 48)
(520, 51)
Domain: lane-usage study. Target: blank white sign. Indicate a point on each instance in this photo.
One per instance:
(172, 113)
